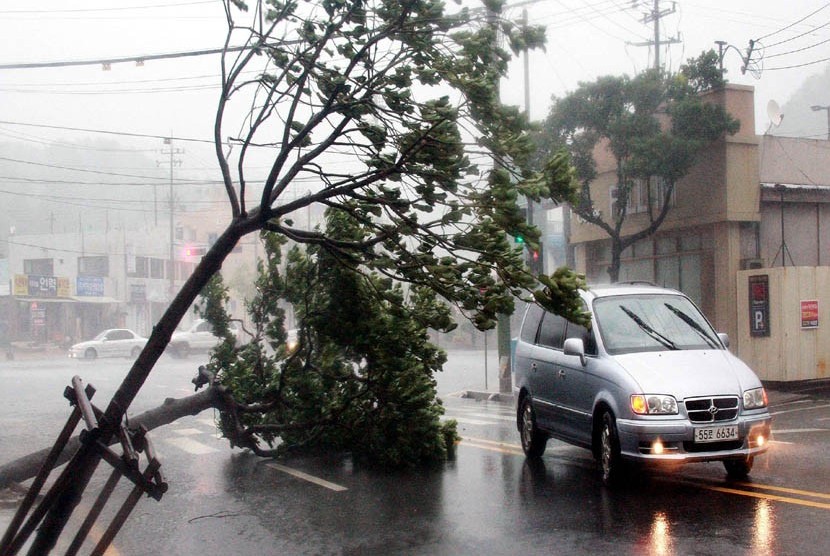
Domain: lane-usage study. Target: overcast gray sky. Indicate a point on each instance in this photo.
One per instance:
(586, 39)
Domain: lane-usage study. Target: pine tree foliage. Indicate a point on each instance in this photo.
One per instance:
(361, 379)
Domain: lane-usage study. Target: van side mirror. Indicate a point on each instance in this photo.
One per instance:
(575, 346)
(724, 338)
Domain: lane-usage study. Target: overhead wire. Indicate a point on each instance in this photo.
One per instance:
(107, 9)
(793, 24)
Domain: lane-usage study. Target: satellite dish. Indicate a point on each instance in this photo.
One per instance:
(774, 113)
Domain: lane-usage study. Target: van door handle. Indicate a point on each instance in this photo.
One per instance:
(533, 366)
(561, 373)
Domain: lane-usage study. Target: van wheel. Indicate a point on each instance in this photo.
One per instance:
(533, 440)
(738, 468)
(610, 460)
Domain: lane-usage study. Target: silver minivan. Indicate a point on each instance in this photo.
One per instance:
(650, 382)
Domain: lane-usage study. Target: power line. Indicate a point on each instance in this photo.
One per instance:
(136, 59)
(116, 9)
(794, 66)
(792, 24)
(797, 36)
(121, 133)
(85, 170)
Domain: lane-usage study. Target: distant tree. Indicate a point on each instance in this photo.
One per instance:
(703, 73)
(623, 116)
(386, 104)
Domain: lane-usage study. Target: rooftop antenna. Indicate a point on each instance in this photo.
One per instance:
(782, 249)
(775, 115)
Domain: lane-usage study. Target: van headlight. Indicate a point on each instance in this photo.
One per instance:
(653, 404)
(755, 398)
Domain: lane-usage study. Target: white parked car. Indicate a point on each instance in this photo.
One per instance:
(115, 342)
(199, 337)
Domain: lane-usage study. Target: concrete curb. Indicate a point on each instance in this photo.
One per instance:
(480, 396)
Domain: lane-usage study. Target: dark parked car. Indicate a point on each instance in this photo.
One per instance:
(650, 382)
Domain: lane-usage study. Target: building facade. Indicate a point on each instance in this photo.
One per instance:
(710, 228)
(70, 286)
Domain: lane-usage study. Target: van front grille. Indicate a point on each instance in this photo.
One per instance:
(712, 410)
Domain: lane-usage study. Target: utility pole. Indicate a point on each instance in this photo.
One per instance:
(654, 16)
(172, 204)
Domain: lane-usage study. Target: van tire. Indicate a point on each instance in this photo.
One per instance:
(533, 440)
(610, 460)
(737, 468)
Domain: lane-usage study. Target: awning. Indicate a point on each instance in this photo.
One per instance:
(27, 299)
(93, 299)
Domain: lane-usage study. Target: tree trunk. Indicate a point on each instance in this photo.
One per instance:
(614, 267)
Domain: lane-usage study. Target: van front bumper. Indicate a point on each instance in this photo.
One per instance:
(673, 441)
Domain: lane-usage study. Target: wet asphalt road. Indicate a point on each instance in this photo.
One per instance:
(488, 500)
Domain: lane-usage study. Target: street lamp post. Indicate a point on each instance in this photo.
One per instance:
(826, 108)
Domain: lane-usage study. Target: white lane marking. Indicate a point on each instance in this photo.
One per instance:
(790, 431)
(793, 402)
(799, 409)
(188, 432)
(306, 477)
(191, 446)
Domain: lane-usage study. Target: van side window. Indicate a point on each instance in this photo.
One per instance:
(552, 332)
(587, 337)
(530, 326)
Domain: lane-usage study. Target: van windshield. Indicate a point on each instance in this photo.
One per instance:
(652, 322)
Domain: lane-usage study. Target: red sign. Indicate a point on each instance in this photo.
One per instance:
(809, 313)
(759, 305)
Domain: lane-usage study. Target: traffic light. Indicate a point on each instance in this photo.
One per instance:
(518, 239)
(534, 261)
(191, 251)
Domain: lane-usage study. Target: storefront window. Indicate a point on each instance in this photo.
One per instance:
(156, 268)
(93, 266)
(141, 268)
(41, 267)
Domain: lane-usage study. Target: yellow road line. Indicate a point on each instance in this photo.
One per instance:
(515, 449)
(786, 499)
(787, 490)
(492, 446)
(490, 442)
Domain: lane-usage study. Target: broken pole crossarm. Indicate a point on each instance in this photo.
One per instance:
(129, 452)
(84, 404)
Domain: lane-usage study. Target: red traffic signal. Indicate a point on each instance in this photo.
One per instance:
(194, 251)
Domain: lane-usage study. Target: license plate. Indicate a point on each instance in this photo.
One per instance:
(716, 434)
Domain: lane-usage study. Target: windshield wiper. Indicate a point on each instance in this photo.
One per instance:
(649, 330)
(694, 325)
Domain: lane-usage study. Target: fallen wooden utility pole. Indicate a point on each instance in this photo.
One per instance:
(172, 409)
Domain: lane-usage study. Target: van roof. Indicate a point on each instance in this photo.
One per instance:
(640, 287)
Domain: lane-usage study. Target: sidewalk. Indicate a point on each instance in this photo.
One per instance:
(23, 351)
